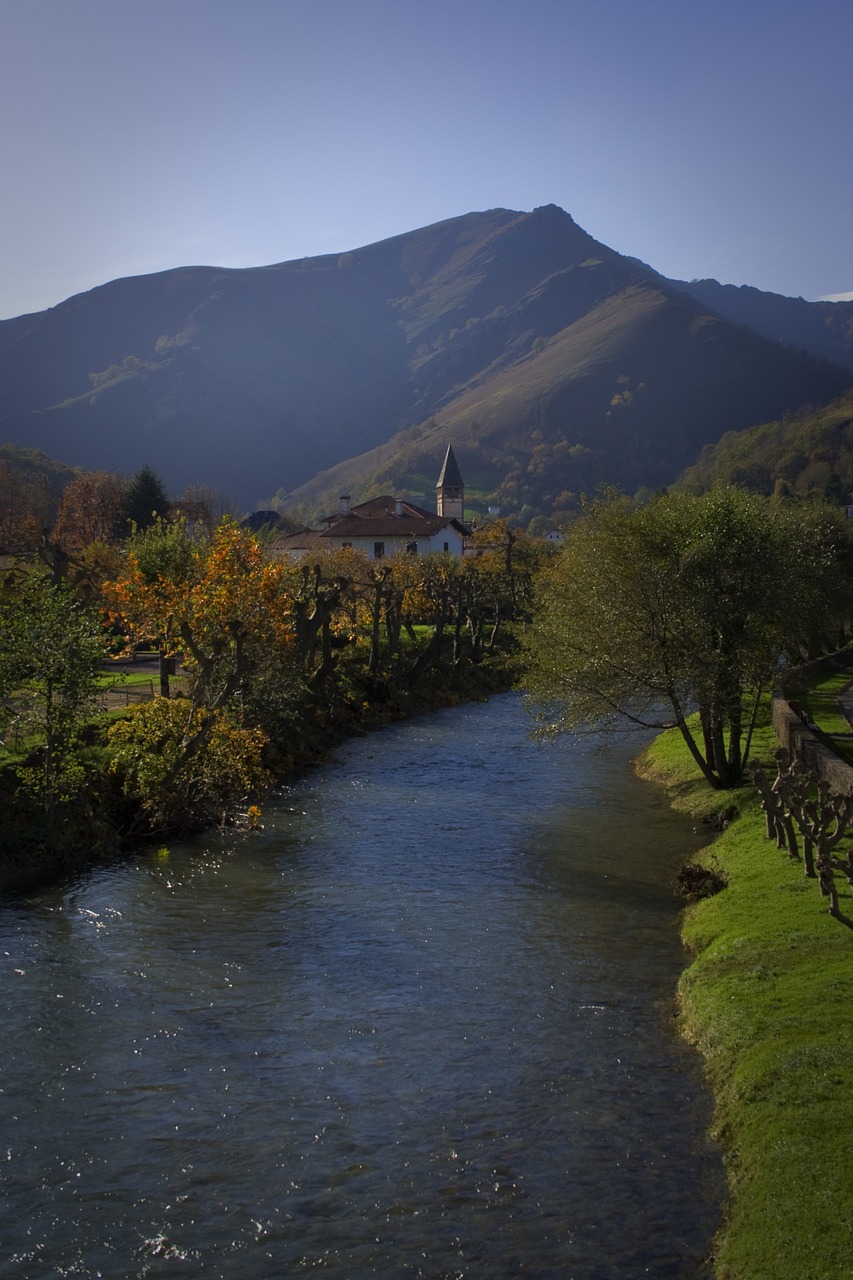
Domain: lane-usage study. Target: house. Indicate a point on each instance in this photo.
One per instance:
(386, 526)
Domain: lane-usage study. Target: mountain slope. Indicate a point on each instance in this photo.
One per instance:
(806, 452)
(553, 362)
(823, 328)
(626, 394)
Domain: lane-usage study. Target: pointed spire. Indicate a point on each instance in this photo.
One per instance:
(450, 489)
(450, 473)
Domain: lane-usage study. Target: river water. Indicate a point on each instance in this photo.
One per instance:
(420, 1026)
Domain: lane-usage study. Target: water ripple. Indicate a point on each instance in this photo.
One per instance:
(420, 1027)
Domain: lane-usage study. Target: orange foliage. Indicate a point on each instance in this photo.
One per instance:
(207, 596)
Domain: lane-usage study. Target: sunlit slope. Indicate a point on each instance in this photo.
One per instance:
(626, 394)
(491, 327)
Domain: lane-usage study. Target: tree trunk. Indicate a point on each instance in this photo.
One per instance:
(164, 674)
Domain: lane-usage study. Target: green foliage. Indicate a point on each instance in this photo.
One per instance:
(145, 500)
(185, 767)
(804, 453)
(162, 549)
(652, 611)
(51, 648)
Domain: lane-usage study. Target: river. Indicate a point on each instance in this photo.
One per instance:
(420, 1026)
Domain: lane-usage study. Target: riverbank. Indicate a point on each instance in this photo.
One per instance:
(99, 823)
(766, 999)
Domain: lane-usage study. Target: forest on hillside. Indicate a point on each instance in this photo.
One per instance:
(807, 452)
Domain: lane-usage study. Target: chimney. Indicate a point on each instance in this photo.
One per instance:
(344, 501)
(398, 506)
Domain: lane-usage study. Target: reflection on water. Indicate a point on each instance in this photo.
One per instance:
(420, 1027)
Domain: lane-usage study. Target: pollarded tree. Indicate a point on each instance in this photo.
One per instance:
(687, 604)
(222, 604)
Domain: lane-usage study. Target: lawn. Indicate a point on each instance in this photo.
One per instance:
(767, 1000)
(124, 679)
(818, 702)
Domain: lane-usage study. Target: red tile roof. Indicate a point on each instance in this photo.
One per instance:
(378, 518)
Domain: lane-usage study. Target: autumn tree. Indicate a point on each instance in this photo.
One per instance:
(26, 508)
(221, 605)
(205, 505)
(90, 510)
(228, 612)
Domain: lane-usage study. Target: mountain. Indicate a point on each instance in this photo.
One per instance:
(823, 328)
(552, 362)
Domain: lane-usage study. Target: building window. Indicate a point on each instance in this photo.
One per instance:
(447, 546)
(346, 546)
(378, 550)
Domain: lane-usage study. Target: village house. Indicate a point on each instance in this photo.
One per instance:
(386, 526)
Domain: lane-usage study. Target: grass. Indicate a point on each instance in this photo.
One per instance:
(125, 679)
(767, 1000)
(819, 702)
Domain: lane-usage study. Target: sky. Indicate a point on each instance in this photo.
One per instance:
(707, 139)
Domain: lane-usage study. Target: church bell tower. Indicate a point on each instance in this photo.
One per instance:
(450, 490)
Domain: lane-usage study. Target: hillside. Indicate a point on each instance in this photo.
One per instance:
(823, 328)
(805, 452)
(552, 362)
(627, 394)
(30, 487)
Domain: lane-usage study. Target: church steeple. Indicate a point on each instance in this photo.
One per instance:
(450, 490)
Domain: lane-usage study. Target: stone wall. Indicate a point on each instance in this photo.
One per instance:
(804, 744)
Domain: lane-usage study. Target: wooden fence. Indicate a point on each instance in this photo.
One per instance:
(18, 731)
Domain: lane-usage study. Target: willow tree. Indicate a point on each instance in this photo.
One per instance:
(680, 613)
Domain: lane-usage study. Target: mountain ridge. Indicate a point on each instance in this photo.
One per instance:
(496, 326)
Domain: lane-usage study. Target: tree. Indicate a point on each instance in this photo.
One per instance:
(25, 507)
(145, 500)
(227, 611)
(220, 604)
(186, 766)
(51, 649)
(207, 506)
(685, 604)
(90, 510)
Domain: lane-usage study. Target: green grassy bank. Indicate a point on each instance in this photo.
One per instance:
(768, 1000)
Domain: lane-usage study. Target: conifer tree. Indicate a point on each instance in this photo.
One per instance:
(146, 500)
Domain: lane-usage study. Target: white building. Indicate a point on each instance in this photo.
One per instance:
(386, 526)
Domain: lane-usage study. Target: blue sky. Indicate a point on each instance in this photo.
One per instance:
(707, 139)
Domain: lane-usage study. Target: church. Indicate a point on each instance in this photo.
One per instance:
(386, 526)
